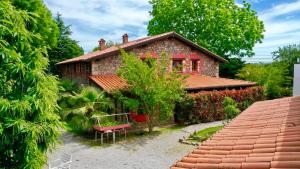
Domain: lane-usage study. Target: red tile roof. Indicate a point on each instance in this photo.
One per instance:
(194, 81)
(110, 82)
(264, 136)
(139, 42)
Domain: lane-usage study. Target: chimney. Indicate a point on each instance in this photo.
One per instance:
(101, 44)
(125, 38)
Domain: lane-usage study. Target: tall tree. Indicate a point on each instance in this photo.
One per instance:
(231, 69)
(66, 47)
(28, 96)
(288, 54)
(220, 26)
(156, 90)
(43, 24)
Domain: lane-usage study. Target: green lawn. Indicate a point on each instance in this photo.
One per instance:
(203, 135)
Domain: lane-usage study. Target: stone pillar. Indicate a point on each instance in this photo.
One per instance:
(183, 66)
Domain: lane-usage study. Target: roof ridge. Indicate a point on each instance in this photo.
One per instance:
(135, 43)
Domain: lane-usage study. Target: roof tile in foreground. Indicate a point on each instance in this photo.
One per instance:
(194, 81)
(264, 136)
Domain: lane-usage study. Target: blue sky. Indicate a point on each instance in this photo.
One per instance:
(110, 19)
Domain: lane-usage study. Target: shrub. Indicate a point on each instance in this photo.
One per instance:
(230, 108)
(78, 110)
(184, 109)
(274, 77)
(202, 135)
(68, 86)
(208, 104)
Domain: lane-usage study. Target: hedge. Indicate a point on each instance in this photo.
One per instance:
(208, 104)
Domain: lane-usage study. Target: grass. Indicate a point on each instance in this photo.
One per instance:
(205, 134)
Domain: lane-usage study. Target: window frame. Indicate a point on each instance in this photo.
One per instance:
(194, 65)
(180, 67)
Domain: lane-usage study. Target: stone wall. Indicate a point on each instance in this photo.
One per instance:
(106, 65)
(206, 65)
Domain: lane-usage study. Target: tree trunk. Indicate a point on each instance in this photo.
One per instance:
(150, 124)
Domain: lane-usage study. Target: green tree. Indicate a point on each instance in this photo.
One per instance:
(274, 77)
(43, 24)
(231, 69)
(28, 123)
(220, 26)
(66, 47)
(156, 89)
(288, 54)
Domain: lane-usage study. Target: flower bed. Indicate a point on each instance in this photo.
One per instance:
(208, 104)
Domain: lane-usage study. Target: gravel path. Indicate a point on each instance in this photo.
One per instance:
(149, 152)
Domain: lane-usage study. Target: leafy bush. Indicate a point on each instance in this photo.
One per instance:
(274, 77)
(208, 104)
(184, 109)
(230, 108)
(68, 86)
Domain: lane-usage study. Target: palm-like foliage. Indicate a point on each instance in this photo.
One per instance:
(80, 109)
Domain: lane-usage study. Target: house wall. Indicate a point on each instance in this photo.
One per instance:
(106, 65)
(296, 86)
(78, 72)
(206, 65)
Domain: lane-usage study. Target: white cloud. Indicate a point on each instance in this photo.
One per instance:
(281, 29)
(280, 9)
(109, 19)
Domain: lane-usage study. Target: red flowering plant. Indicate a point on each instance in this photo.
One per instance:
(208, 104)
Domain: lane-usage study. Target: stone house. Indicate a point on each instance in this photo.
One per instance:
(99, 68)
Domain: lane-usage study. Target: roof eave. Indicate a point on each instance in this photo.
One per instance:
(220, 87)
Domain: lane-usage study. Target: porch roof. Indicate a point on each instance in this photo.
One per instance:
(113, 82)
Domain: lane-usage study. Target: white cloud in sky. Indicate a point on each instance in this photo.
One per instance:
(110, 19)
(282, 28)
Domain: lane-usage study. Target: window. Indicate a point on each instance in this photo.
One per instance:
(177, 65)
(194, 66)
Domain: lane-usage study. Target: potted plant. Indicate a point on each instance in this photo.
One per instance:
(135, 110)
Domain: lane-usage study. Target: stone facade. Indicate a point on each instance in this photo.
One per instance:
(107, 65)
(205, 65)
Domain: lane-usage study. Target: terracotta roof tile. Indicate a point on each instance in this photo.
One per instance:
(194, 81)
(131, 44)
(109, 82)
(272, 130)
